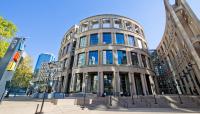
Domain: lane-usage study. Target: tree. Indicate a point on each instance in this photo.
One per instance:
(7, 31)
(23, 73)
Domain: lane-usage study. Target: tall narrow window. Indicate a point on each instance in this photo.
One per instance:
(106, 23)
(121, 57)
(117, 23)
(139, 43)
(128, 26)
(67, 48)
(107, 57)
(95, 24)
(93, 57)
(131, 41)
(134, 59)
(83, 42)
(119, 38)
(107, 38)
(137, 29)
(144, 60)
(84, 27)
(81, 59)
(93, 39)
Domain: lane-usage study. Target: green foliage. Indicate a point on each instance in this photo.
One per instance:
(3, 47)
(7, 31)
(23, 74)
(7, 28)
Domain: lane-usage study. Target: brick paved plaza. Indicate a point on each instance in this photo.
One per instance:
(25, 105)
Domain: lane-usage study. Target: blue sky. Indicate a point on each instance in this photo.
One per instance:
(44, 22)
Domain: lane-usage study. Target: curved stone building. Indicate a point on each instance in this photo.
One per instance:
(106, 54)
(180, 46)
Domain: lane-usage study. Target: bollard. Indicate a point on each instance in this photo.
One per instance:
(110, 101)
(133, 100)
(180, 98)
(155, 99)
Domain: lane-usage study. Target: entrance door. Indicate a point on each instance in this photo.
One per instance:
(125, 85)
(68, 83)
(148, 84)
(108, 83)
(92, 82)
(79, 82)
(138, 84)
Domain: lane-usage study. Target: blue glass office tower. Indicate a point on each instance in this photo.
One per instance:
(43, 57)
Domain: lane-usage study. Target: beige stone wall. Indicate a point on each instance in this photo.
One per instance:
(127, 27)
(180, 46)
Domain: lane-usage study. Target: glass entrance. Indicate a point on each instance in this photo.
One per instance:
(108, 83)
(68, 83)
(124, 84)
(92, 82)
(138, 84)
(148, 84)
(79, 82)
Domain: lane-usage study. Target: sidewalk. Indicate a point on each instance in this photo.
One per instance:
(25, 105)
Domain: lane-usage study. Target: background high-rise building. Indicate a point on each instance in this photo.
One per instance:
(43, 58)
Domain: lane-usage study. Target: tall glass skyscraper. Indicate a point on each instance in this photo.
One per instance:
(43, 57)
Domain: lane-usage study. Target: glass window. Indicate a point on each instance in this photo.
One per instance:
(119, 38)
(83, 42)
(131, 41)
(107, 57)
(84, 27)
(95, 24)
(81, 59)
(63, 52)
(134, 58)
(106, 23)
(93, 57)
(93, 39)
(121, 57)
(107, 38)
(137, 30)
(67, 48)
(144, 60)
(117, 23)
(128, 26)
(139, 43)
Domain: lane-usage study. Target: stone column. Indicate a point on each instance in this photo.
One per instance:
(128, 57)
(100, 57)
(85, 82)
(101, 83)
(181, 86)
(143, 84)
(195, 81)
(86, 58)
(133, 84)
(72, 85)
(115, 61)
(117, 84)
(153, 82)
(113, 38)
(140, 60)
(145, 81)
